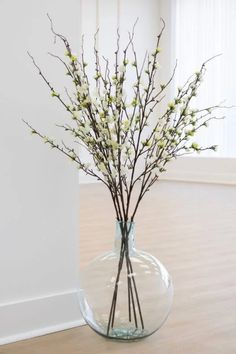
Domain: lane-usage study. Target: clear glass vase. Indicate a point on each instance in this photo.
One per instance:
(125, 294)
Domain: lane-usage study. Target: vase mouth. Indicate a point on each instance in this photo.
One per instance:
(123, 222)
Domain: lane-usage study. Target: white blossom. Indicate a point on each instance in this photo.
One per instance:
(122, 68)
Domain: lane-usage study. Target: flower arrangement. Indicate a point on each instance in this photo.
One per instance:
(119, 125)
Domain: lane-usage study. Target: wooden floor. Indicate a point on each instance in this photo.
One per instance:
(191, 228)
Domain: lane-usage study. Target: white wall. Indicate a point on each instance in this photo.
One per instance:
(38, 188)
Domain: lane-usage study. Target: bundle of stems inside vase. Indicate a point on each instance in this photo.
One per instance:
(128, 138)
(134, 306)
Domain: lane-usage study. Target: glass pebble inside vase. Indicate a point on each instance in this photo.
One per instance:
(125, 294)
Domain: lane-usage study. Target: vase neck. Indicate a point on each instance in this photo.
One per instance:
(125, 233)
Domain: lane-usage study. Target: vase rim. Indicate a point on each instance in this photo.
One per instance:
(125, 222)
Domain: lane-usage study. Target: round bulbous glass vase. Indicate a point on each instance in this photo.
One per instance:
(125, 294)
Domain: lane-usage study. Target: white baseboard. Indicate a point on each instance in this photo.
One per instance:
(202, 170)
(38, 316)
(185, 176)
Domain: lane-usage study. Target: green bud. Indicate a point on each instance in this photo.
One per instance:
(198, 74)
(134, 102)
(195, 146)
(73, 58)
(171, 106)
(191, 132)
(97, 76)
(161, 144)
(54, 94)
